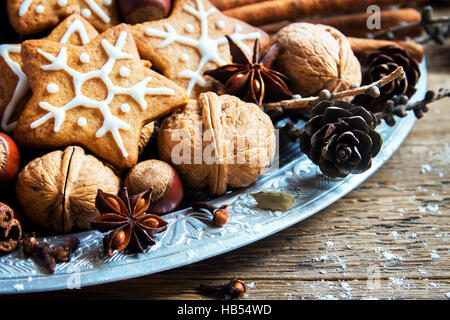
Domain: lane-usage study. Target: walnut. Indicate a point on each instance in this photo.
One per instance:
(146, 134)
(58, 190)
(316, 57)
(218, 141)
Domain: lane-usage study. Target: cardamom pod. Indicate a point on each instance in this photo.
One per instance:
(273, 200)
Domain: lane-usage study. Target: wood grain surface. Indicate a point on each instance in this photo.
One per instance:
(388, 239)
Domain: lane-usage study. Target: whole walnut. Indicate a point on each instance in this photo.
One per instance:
(316, 57)
(57, 191)
(218, 142)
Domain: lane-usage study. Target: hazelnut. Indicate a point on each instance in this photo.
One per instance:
(9, 159)
(316, 57)
(138, 11)
(167, 190)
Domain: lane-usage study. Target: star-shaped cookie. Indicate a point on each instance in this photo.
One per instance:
(99, 96)
(193, 40)
(34, 16)
(14, 84)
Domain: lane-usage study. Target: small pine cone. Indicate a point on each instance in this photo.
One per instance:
(380, 63)
(341, 138)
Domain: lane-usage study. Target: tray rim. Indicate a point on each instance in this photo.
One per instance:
(105, 274)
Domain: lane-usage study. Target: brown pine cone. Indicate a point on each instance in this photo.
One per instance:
(380, 63)
(341, 138)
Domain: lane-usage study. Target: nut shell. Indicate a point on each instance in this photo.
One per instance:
(58, 190)
(9, 159)
(225, 142)
(167, 190)
(316, 57)
(138, 11)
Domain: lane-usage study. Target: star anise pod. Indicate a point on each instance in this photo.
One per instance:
(253, 81)
(126, 216)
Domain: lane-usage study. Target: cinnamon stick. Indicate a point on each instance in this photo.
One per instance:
(262, 13)
(363, 45)
(355, 25)
(229, 4)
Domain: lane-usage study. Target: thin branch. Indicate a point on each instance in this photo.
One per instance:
(398, 106)
(306, 104)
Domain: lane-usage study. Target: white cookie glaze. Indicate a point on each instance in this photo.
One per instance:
(111, 123)
(22, 85)
(207, 48)
(93, 6)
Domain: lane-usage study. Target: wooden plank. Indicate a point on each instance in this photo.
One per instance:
(388, 239)
(392, 231)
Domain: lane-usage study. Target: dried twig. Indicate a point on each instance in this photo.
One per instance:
(398, 106)
(306, 104)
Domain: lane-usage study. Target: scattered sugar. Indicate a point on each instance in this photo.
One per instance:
(398, 282)
(250, 285)
(329, 243)
(435, 255)
(422, 271)
(388, 256)
(19, 287)
(433, 207)
(422, 189)
(395, 234)
(345, 286)
(433, 284)
(425, 168)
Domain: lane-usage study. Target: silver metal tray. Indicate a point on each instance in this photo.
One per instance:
(189, 238)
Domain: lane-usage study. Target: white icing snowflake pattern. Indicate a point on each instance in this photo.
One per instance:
(21, 88)
(111, 123)
(93, 6)
(22, 84)
(207, 47)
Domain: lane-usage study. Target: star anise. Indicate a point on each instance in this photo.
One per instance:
(126, 216)
(252, 81)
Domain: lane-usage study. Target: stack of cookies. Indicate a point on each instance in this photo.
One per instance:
(82, 92)
(96, 82)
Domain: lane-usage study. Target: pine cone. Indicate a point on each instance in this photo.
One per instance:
(340, 138)
(380, 63)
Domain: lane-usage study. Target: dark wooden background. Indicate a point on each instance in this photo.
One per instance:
(388, 239)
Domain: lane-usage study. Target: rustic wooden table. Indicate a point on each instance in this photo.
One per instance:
(388, 239)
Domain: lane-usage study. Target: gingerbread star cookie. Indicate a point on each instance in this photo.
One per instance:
(34, 16)
(99, 96)
(193, 40)
(14, 84)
